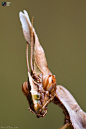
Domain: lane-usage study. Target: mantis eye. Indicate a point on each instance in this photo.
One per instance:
(49, 82)
(25, 88)
(53, 79)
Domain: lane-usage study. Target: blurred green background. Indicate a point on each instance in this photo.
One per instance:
(61, 28)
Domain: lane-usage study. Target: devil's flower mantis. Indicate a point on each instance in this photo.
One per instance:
(41, 88)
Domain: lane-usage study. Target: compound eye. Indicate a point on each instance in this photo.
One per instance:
(53, 79)
(25, 88)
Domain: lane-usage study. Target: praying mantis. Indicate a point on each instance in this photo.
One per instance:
(41, 87)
